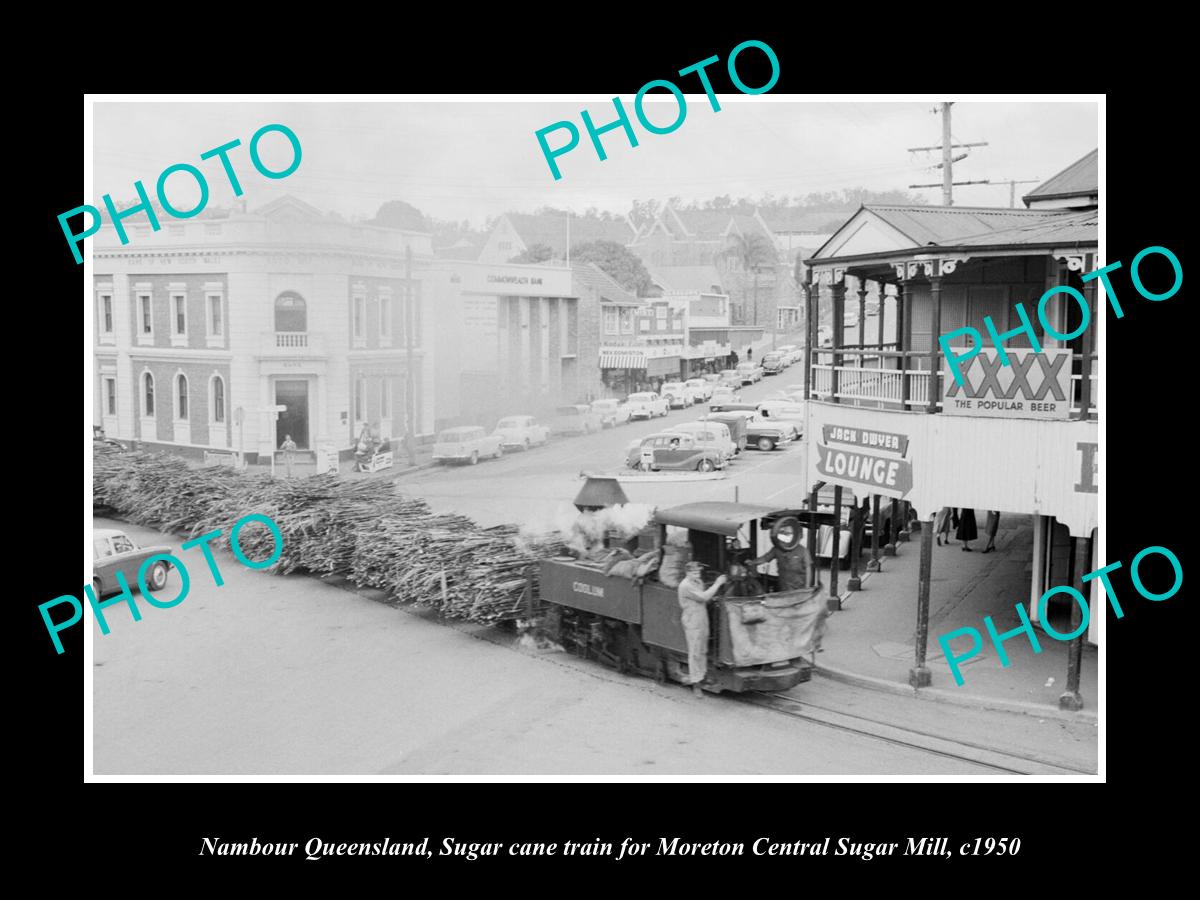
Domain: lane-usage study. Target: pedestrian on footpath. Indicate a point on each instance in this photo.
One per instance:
(941, 525)
(967, 531)
(993, 525)
(693, 610)
(289, 453)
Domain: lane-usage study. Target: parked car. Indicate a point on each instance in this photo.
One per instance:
(578, 418)
(764, 435)
(677, 394)
(675, 451)
(736, 423)
(114, 551)
(824, 336)
(783, 410)
(722, 396)
(749, 373)
(701, 388)
(790, 352)
(773, 363)
(730, 377)
(647, 405)
(733, 406)
(467, 443)
(521, 431)
(713, 378)
(612, 412)
(710, 434)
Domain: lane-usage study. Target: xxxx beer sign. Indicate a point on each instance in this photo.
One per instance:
(863, 457)
(1034, 385)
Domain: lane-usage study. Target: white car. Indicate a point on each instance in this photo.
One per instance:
(612, 412)
(677, 394)
(647, 405)
(783, 411)
(468, 443)
(749, 372)
(521, 432)
(714, 434)
(701, 388)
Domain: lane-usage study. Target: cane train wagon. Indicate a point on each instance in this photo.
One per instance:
(757, 642)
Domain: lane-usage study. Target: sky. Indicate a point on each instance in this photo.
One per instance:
(471, 160)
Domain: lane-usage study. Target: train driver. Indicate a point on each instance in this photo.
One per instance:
(693, 609)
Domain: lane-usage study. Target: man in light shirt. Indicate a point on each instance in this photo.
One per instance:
(693, 606)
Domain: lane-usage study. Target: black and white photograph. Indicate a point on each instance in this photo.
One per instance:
(697, 433)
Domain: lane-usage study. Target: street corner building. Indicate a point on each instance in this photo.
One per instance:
(888, 419)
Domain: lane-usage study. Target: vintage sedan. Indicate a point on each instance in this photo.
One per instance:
(114, 551)
(783, 411)
(468, 443)
(701, 388)
(750, 373)
(647, 405)
(764, 435)
(710, 434)
(612, 412)
(677, 394)
(730, 378)
(723, 396)
(675, 451)
(578, 418)
(521, 432)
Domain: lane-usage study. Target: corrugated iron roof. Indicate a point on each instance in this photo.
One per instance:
(687, 278)
(1080, 179)
(605, 286)
(925, 225)
(713, 516)
(1050, 228)
(551, 230)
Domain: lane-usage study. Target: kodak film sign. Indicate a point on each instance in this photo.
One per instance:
(1034, 385)
(851, 457)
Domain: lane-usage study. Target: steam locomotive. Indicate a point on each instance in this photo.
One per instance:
(757, 643)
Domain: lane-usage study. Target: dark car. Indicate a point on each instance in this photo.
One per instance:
(764, 435)
(114, 551)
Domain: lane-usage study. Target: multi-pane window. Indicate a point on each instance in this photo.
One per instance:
(385, 316)
(110, 396)
(360, 314)
(148, 394)
(106, 314)
(611, 324)
(146, 312)
(181, 401)
(215, 323)
(179, 314)
(218, 399)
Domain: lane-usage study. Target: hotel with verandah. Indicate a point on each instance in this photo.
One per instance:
(890, 421)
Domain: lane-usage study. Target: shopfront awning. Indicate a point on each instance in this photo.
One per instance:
(663, 365)
(622, 359)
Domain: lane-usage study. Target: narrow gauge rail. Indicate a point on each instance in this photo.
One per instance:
(937, 745)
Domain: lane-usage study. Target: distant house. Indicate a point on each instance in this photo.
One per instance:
(515, 233)
(1075, 187)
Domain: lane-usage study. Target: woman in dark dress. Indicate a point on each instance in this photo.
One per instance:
(967, 531)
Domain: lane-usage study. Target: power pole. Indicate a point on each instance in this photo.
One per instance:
(948, 159)
(1012, 189)
(409, 404)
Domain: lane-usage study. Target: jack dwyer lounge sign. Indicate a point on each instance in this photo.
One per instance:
(1032, 386)
(848, 462)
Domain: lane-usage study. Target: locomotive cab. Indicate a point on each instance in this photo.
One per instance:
(758, 640)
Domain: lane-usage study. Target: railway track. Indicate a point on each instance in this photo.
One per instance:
(964, 751)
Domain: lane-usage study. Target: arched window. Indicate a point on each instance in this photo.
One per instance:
(181, 397)
(218, 399)
(291, 312)
(148, 393)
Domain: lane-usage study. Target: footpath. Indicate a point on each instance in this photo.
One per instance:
(870, 641)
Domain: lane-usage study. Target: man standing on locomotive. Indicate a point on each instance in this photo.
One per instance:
(693, 605)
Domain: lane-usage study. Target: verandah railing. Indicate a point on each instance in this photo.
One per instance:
(894, 379)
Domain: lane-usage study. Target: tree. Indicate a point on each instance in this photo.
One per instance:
(618, 262)
(534, 254)
(398, 214)
(751, 251)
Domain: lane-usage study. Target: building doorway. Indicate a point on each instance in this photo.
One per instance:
(293, 420)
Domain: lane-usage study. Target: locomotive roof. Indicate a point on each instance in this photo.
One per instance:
(714, 516)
